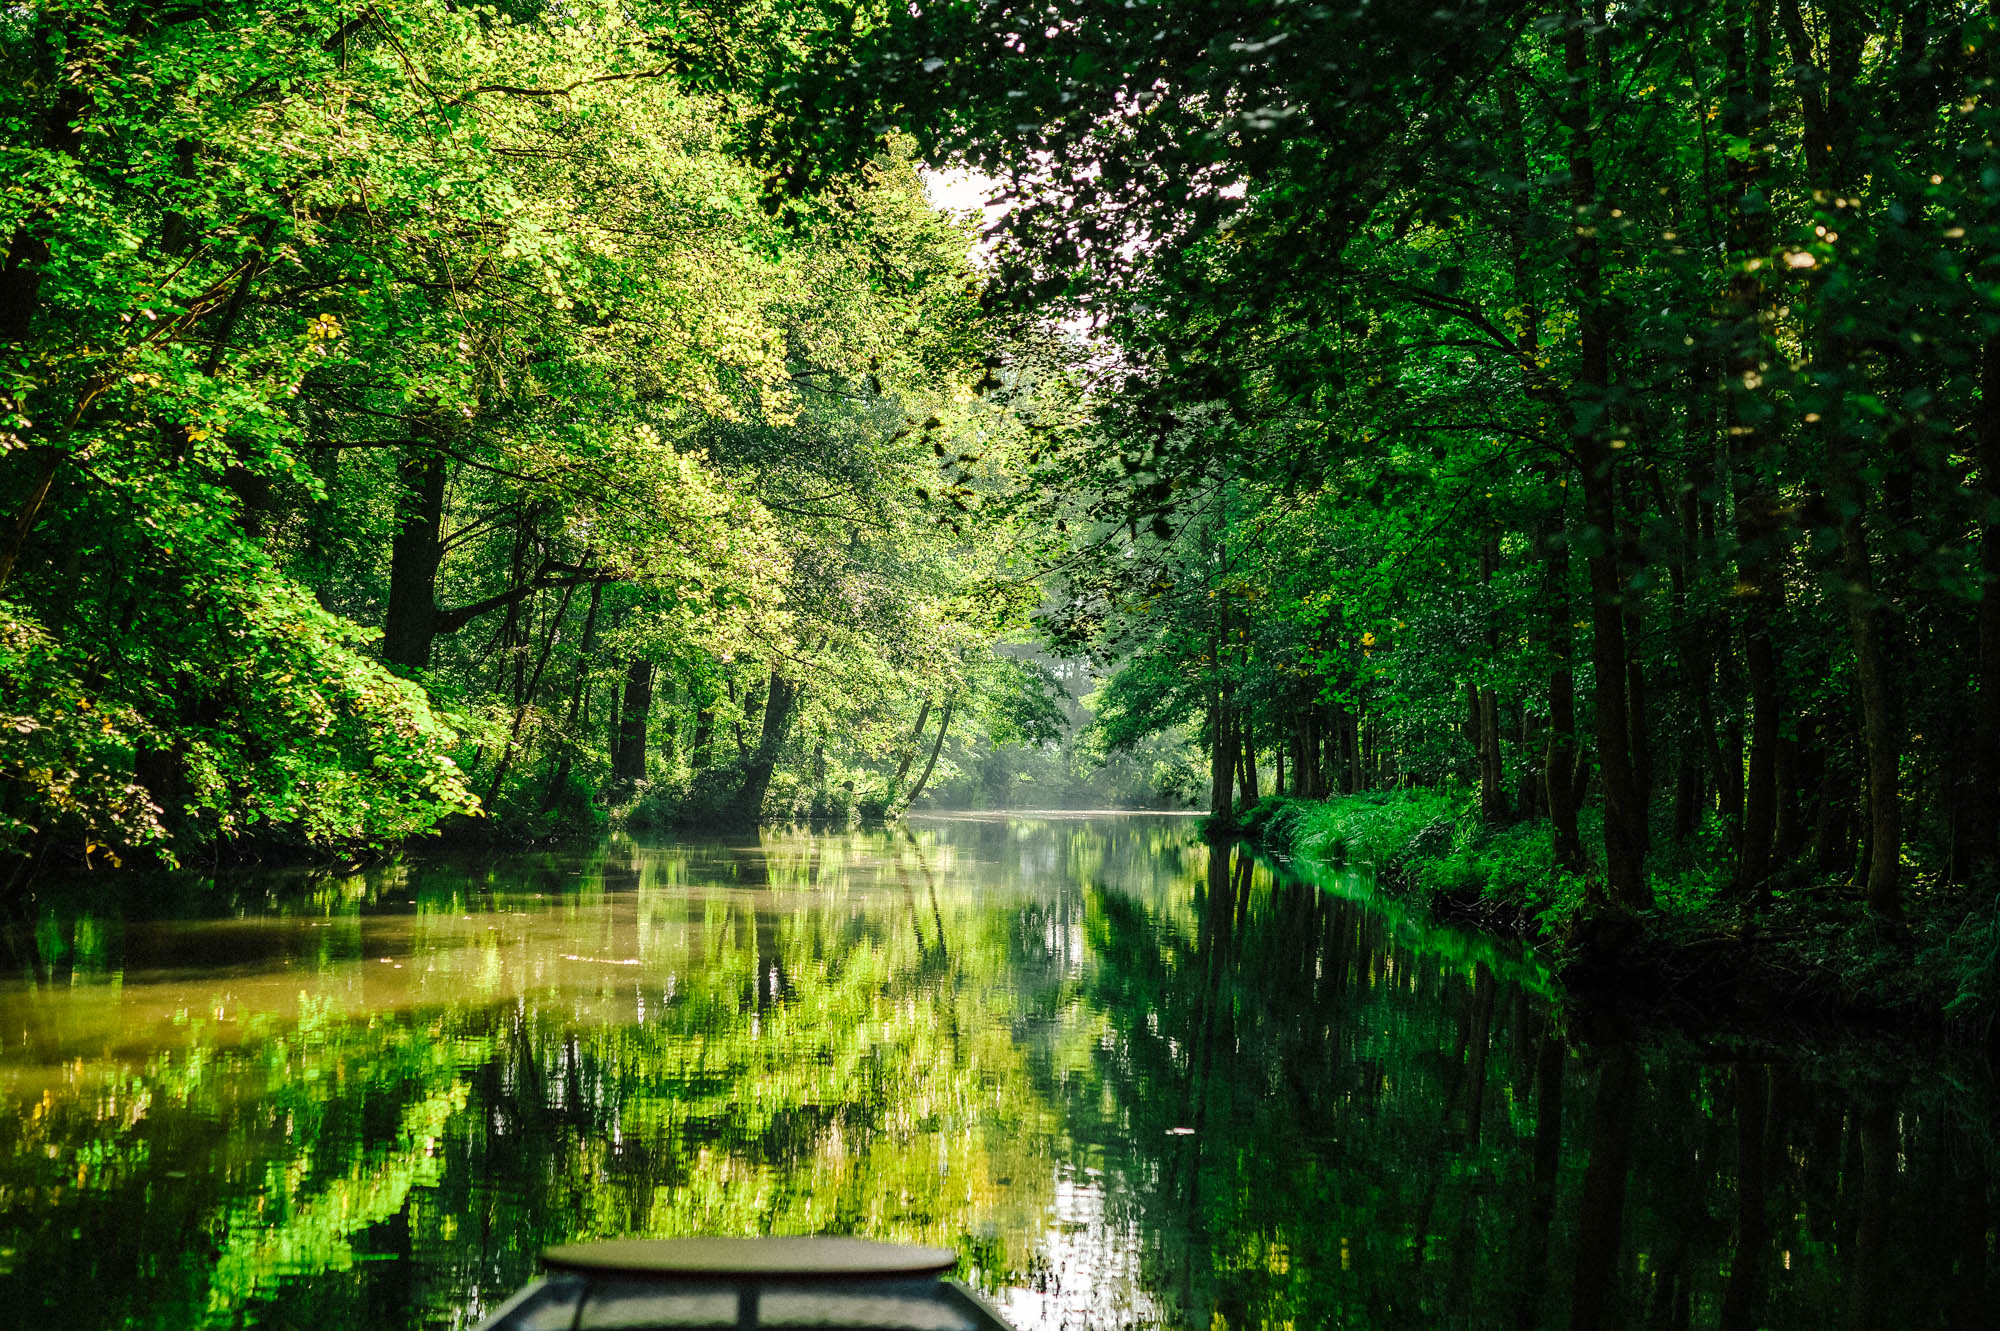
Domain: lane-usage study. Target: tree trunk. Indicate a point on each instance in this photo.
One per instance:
(527, 696)
(923, 778)
(1624, 836)
(1527, 300)
(1474, 730)
(1249, 765)
(704, 732)
(1880, 733)
(1220, 760)
(1560, 761)
(779, 696)
(1486, 704)
(1232, 739)
(739, 709)
(1356, 779)
(1687, 798)
(1759, 517)
(910, 748)
(1826, 104)
(628, 759)
(1492, 793)
(1980, 820)
(1528, 777)
(560, 777)
(1982, 831)
(414, 555)
(1642, 747)
(1313, 767)
(1699, 752)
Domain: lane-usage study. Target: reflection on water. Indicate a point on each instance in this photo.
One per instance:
(1134, 1084)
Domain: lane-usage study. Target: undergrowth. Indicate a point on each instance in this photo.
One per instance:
(1431, 845)
(1428, 845)
(1814, 947)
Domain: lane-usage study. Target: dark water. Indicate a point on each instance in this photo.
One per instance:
(1132, 1084)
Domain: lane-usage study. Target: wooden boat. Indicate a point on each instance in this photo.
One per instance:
(827, 1282)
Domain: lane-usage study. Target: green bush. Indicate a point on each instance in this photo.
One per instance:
(1429, 844)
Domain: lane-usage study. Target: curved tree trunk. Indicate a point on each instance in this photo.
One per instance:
(944, 724)
(527, 698)
(910, 748)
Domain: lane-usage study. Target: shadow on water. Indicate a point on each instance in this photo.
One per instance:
(1133, 1082)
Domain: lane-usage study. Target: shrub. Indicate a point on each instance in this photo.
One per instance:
(1429, 844)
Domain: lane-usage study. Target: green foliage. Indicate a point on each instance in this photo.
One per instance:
(1586, 410)
(66, 755)
(459, 341)
(1591, 414)
(306, 735)
(1431, 846)
(1971, 958)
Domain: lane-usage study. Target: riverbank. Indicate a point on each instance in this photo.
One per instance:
(1699, 959)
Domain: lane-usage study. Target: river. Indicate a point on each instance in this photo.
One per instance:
(1132, 1082)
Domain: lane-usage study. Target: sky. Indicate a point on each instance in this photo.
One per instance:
(956, 189)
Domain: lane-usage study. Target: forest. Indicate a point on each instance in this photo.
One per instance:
(423, 415)
(414, 412)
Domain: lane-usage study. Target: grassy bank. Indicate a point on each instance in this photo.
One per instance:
(1700, 957)
(1426, 846)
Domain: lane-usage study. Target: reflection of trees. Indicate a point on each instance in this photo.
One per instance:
(844, 1095)
(1305, 1110)
(1600, 1219)
(1389, 1133)
(333, 1123)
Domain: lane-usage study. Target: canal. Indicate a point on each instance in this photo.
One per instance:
(1133, 1082)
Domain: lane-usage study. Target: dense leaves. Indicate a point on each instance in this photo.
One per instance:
(1591, 407)
(1588, 404)
(398, 401)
